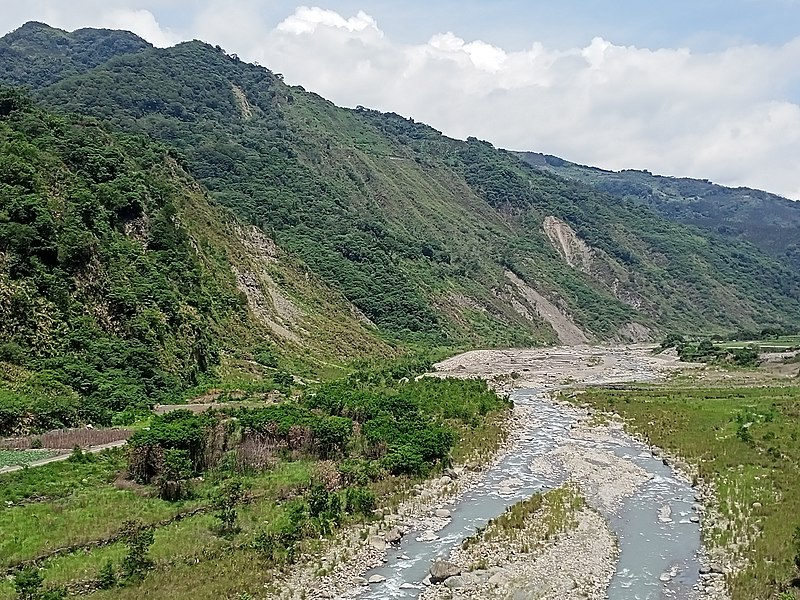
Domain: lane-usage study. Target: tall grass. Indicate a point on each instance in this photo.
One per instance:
(744, 442)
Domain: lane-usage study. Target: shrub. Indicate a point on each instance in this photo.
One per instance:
(107, 578)
(138, 539)
(359, 500)
(225, 502)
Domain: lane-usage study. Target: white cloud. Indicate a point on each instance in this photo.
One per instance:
(728, 116)
(722, 116)
(306, 20)
(141, 22)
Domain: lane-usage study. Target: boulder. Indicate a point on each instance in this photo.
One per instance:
(428, 536)
(497, 579)
(377, 542)
(376, 579)
(393, 536)
(442, 570)
(443, 513)
(455, 582)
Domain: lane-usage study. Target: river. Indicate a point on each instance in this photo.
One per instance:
(659, 539)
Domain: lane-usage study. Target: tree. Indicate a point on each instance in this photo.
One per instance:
(138, 538)
(176, 469)
(227, 498)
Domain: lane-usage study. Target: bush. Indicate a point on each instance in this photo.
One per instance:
(225, 502)
(107, 578)
(360, 500)
(138, 538)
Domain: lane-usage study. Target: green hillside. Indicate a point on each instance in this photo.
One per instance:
(37, 54)
(121, 285)
(433, 240)
(768, 221)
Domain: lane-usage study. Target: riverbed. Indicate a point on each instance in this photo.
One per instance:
(651, 510)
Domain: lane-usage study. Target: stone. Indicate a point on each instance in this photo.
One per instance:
(360, 581)
(443, 513)
(428, 536)
(446, 480)
(716, 569)
(705, 570)
(376, 579)
(377, 542)
(497, 579)
(393, 536)
(441, 570)
(757, 505)
(694, 519)
(408, 586)
(455, 582)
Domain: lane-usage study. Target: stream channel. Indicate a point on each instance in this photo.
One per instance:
(659, 549)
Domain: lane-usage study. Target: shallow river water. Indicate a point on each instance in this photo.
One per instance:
(652, 549)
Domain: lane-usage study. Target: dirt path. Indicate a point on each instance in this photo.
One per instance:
(61, 457)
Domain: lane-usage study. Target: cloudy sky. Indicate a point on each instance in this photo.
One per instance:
(700, 88)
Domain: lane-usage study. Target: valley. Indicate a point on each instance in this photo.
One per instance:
(254, 345)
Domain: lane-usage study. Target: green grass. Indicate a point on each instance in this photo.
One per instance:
(11, 458)
(745, 441)
(61, 479)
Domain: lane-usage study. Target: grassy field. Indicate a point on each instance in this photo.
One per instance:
(786, 342)
(744, 441)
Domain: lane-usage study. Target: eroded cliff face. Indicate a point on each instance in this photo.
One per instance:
(603, 269)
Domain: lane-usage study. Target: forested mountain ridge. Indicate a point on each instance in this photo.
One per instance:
(37, 54)
(432, 239)
(766, 220)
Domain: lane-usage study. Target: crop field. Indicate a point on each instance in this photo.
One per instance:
(744, 441)
(13, 458)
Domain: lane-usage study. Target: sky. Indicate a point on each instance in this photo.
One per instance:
(701, 88)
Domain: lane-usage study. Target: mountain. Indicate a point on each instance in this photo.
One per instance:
(122, 284)
(37, 54)
(768, 221)
(433, 240)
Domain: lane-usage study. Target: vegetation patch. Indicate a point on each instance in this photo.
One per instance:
(11, 458)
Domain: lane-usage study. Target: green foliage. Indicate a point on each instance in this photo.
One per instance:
(768, 221)
(796, 543)
(103, 297)
(107, 578)
(278, 544)
(28, 585)
(360, 501)
(181, 431)
(138, 538)
(176, 469)
(225, 502)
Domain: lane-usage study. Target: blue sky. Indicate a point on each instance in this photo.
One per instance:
(707, 89)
